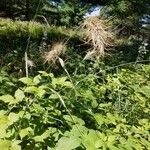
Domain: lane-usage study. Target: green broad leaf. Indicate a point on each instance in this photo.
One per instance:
(41, 92)
(19, 95)
(53, 96)
(43, 73)
(100, 119)
(13, 118)
(92, 141)
(111, 138)
(8, 99)
(88, 95)
(146, 91)
(31, 89)
(68, 143)
(37, 79)
(94, 103)
(26, 81)
(38, 108)
(4, 121)
(41, 138)
(5, 145)
(25, 132)
(15, 145)
(2, 112)
(76, 131)
(75, 119)
(59, 81)
(68, 84)
(34, 90)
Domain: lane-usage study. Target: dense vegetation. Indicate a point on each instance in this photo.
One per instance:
(69, 82)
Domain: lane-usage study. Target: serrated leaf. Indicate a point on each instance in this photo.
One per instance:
(26, 81)
(8, 99)
(37, 79)
(19, 95)
(41, 92)
(3, 126)
(25, 132)
(58, 81)
(44, 73)
(68, 84)
(5, 144)
(68, 143)
(92, 140)
(75, 119)
(34, 90)
(42, 137)
(53, 96)
(13, 118)
(31, 89)
(15, 145)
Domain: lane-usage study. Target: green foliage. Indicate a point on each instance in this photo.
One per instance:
(88, 112)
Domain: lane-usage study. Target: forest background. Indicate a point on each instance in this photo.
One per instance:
(69, 81)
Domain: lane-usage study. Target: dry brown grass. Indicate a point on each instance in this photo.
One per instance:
(98, 35)
(55, 51)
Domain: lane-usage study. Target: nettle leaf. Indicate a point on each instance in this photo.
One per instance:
(43, 73)
(25, 132)
(37, 79)
(5, 144)
(39, 91)
(8, 99)
(100, 119)
(13, 118)
(19, 95)
(92, 141)
(68, 143)
(38, 108)
(59, 81)
(75, 119)
(26, 81)
(15, 145)
(68, 84)
(41, 138)
(53, 96)
(146, 91)
(31, 89)
(76, 131)
(4, 121)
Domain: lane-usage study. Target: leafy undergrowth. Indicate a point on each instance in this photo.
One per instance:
(108, 112)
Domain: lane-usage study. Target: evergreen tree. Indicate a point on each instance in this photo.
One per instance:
(132, 19)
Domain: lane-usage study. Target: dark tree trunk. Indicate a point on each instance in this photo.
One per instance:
(27, 13)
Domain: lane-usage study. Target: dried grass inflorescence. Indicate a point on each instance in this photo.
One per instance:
(97, 34)
(55, 51)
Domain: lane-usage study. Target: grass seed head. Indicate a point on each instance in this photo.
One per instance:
(55, 51)
(98, 35)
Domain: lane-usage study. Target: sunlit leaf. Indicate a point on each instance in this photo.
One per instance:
(19, 95)
(68, 143)
(26, 81)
